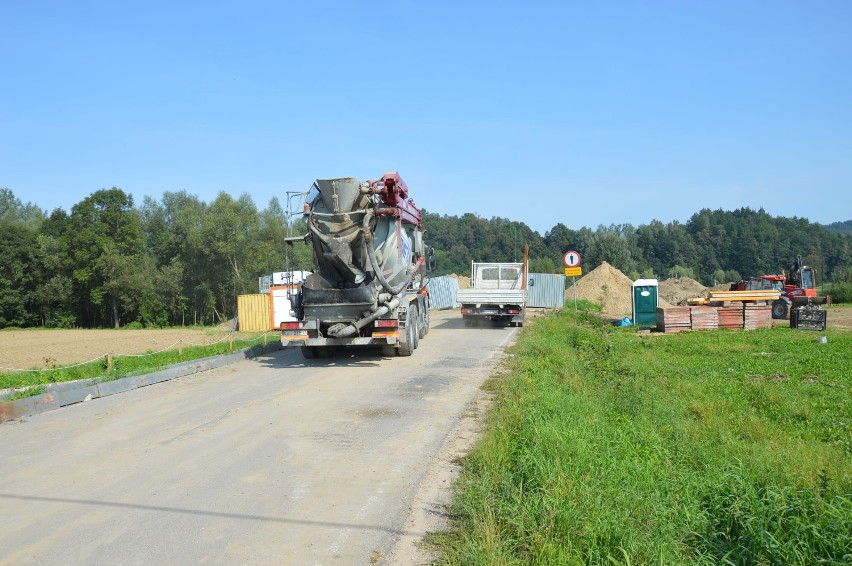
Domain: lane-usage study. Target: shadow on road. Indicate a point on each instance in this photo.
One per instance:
(342, 357)
(202, 513)
(452, 323)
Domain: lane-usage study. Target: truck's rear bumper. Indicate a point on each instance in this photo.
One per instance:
(492, 309)
(508, 313)
(296, 341)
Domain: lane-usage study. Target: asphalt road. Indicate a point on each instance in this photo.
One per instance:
(276, 460)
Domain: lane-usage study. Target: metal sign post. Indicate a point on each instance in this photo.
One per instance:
(574, 283)
(573, 272)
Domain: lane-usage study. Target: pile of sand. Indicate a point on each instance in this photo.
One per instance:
(464, 282)
(608, 287)
(677, 291)
(721, 287)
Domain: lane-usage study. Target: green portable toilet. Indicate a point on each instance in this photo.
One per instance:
(645, 293)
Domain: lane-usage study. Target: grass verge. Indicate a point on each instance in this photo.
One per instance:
(122, 366)
(605, 447)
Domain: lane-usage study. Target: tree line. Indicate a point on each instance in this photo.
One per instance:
(176, 261)
(182, 261)
(713, 246)
(844, 227)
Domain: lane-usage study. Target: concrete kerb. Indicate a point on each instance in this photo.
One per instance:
(58, 395)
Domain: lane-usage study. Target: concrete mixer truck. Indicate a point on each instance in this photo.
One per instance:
(368, 287)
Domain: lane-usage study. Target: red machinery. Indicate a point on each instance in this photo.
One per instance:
(394, 193)
(797, 286)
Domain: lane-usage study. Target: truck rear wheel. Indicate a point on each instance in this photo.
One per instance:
(309, 352)
(418, 327)
(407, 343)
(422, 324)
(779, 309)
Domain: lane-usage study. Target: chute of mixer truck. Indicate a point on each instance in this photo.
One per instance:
(368, 287)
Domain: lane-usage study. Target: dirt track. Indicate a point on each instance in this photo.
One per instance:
(25, 349)
(840, 317)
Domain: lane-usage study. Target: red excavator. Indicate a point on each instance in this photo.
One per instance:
(797, 285)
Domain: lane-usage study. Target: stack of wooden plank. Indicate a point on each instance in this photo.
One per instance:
(704, 318)
(673, 319)
(757, 316)
(731, 316)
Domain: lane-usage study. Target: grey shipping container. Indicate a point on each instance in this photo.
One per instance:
(546, 290)
(442, 293)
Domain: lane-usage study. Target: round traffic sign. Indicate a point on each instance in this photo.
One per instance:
(572, 258)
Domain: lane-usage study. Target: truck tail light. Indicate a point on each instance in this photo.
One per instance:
(291, 326)
(513, 311)
(466, 311)
(386, 323)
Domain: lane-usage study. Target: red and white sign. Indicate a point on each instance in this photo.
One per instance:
(572, 258)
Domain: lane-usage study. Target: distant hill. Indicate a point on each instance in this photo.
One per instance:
(840, 227)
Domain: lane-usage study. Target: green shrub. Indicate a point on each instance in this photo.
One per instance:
(583, 305)
(62, 320)
(28, 392)
(840, 292)
(842, 274)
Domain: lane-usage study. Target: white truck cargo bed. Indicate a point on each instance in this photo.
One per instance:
(490, 296)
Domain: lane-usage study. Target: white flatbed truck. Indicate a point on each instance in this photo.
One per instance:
(498, 293)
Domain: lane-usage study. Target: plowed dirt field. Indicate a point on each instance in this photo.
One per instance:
(27, 349)
(840, 317)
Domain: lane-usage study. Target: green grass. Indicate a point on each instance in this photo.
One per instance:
(123, 366)
(605, 447)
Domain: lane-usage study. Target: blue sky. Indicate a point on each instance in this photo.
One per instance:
(583, 113)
